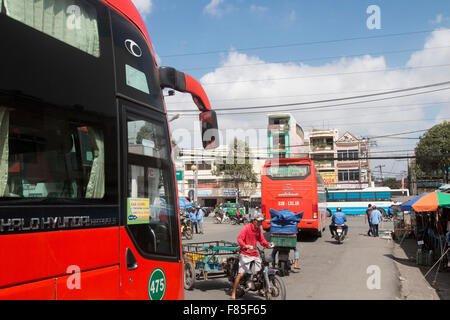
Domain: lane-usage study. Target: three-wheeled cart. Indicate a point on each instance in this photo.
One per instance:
(204, 260)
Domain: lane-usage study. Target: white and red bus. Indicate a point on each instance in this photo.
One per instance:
(294, 184)
(88, 198)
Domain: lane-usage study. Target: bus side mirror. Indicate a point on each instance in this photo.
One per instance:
(210, 129)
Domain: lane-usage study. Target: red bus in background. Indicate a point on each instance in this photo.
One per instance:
(88, 197)
(294, 184)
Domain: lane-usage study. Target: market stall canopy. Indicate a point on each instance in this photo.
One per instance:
(184, 203)
(428, 202)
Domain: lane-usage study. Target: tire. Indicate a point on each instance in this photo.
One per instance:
(278, 291)
(189, 234)
(189, 276)
(233, 221)
(329, 213)
(283, 269)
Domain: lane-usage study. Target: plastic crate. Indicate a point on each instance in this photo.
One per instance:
(284, 240)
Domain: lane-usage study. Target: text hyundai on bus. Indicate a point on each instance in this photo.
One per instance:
(88, 199)
(295, 185)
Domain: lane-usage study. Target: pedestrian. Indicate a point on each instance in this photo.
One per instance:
(368, 211)
(375, 219)
(200, 214)
(193, 217)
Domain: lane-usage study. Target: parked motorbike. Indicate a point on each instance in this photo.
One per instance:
(186, 228)
(265, 279)
(340, 234)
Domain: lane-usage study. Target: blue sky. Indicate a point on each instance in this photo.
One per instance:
(178, 27)
(310, 71)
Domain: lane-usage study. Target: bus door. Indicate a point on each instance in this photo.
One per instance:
(150, 264)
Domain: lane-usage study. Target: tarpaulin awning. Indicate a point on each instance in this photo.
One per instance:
(428, 202)
(184, 203)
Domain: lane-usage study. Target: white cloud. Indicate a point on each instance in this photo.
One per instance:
(258, 9)
(217, 8)
(440, 18)
(144, 6)
(230, 87)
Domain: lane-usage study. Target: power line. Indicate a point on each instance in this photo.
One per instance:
(314, 59)
(326, 75)
(416, 106)
(344, 98)
(302, 43)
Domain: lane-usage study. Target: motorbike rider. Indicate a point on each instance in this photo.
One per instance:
(339, 218)
(248, 239)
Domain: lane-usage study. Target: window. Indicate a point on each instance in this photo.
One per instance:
(299, 172)
(72, 21)
(47, 153)
(345, 155)
(348, 175)
(151, 216)
(136, 73)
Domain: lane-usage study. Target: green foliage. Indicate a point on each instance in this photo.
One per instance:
(237, 167)
(392, 183)
(434, 147)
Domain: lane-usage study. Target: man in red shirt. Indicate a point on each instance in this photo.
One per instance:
(248, 239)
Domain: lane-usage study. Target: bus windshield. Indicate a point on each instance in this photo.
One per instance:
(299, 171)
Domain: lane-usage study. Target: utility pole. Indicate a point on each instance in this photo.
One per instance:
(381, 171)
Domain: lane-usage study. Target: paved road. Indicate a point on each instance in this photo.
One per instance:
(328, 270)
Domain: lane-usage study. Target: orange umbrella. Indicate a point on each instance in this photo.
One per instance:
(432, 201)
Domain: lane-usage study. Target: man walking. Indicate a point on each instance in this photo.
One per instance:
(200, 215)
(368, 211)
(193, 217)
(375, 219)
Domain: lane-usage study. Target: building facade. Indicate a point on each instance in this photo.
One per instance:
(213, 189)
(285, 137)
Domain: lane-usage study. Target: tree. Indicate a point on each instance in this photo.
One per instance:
(392, 183)
(237, 167)
(433, 151)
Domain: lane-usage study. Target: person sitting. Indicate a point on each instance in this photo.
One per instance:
(338, 219)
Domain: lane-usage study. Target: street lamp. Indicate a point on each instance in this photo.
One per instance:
(194, 169)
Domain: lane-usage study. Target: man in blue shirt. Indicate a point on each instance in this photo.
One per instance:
(193, 217)
(199, 217)
(375, 219)
(338, 219)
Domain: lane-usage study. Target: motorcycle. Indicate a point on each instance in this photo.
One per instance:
(186, 228)
(340, 234)
(238, 219)
(221, 218)
(265, 279)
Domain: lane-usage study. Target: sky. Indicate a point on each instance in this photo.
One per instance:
(250, 53)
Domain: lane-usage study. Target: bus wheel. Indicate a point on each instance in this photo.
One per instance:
(189, 275)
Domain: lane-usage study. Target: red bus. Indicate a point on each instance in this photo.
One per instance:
(88, 198)
(294, 184)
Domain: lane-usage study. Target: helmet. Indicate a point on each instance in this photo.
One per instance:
(258, 216)
(338, 209)
(374, 207)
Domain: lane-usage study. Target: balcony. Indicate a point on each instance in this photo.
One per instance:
(278, 127)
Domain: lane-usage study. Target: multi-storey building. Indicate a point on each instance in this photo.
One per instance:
(285, 138)
(353, 164)
(322, 151)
